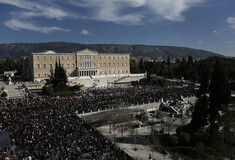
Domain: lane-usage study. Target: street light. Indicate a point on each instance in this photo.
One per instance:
(114, 133)
(109, 123)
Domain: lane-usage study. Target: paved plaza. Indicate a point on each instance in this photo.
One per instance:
(127, 143)
(143, 133)
(13, 90)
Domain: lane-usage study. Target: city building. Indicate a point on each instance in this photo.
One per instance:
(39, 66)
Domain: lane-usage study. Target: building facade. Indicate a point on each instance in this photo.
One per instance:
(39, 66)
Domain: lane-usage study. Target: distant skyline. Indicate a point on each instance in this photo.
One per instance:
(200, 24)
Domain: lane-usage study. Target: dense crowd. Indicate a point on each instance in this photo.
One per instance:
(49, 128)
(94, 99)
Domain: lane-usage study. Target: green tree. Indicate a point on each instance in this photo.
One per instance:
(190, 60)
(168, 60)
(149, 68)
(219, 94)
(200, 113)
(141, 66)
(177, 61)
(227, 123)
(183, 65)
(59, 78)
(134, 67)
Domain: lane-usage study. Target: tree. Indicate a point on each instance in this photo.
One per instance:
(200, 113)
(177, 61)
(59, 78)
(134, 67)
(141, 66)
(219, 94)
(190, 60)
(168, 60)
(183, 65)
(149, 66)
(227, 123)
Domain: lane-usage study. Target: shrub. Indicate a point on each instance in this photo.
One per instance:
(135, 83)
(23, 86)
(2, 89)
(173, 139)
(62, 93)
(48, 90)
(184, 138)
(4, 94)
(201, 151)
(186, 128)
(201, 135)
(76, 88)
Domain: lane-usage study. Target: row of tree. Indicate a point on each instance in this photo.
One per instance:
(189, 69)
(210, 134)
(10, 64)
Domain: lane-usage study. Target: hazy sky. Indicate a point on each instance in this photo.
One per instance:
(200, 24)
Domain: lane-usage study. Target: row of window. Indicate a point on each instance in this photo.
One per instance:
(47, 75)
(73, 57)
(56, 57)
(110, 72)
(68, 73)
(86, 64)
(50, 65)
(110, 57)
(109, 64)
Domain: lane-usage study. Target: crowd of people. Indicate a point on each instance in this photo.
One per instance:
(49, 128)
(94, 99)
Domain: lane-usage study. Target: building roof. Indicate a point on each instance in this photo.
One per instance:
(87, 51)
(84, 51)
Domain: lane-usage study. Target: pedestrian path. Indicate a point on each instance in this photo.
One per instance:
(12, 90)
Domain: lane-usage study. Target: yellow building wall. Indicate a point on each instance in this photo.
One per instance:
(112, 64)
(107, 63)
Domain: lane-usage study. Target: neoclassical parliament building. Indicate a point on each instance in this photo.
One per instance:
(38, 66)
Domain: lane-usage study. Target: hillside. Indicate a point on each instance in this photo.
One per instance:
(17, 50)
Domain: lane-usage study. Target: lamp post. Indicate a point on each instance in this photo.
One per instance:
(114, 134)
(109, 123)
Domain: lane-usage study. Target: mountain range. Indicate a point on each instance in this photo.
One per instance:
(17, 50)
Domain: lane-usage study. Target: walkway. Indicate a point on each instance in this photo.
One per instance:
(12, 90)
